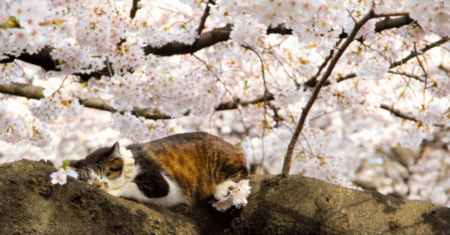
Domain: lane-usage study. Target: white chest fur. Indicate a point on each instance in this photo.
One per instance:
(124, 186)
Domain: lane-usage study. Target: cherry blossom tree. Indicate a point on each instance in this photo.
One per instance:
(328, 89)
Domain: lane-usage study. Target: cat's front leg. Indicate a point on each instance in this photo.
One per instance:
(129, 190)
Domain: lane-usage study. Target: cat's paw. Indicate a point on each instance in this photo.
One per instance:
(223, 189)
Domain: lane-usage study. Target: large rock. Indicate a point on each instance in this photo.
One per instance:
(30, 204)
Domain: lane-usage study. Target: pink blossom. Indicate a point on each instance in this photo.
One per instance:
(59, 177)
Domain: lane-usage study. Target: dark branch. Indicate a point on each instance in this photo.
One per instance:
(30, 92)
(390, 23)
(236, 102)
(313, 81)
(45, 60)
(280, 29)
(408, 75)
(387, 23)
(346, 77)
(9, 59)
(413, 54)
(35, 92)
(397, 113)
(204, 17)
(134, 9)
(423, 50)
(206, 40)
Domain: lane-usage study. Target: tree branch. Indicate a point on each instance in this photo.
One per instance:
(413, 54)
(44, 59)
(408, 75)
(397, 113)
(236, 102)
(389, 23)
(134, 9)
(23, 90)
(288, 158)
(35, 92)
(206, 40)
(312, 82)
(204, 17)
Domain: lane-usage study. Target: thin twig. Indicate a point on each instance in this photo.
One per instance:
(410, 75)
(398, 113)
(266, 92)
(350, 13)
(205, 15)
(423, 50)
(313, 81)
(425, 74)
(60, 87)
(413, 54)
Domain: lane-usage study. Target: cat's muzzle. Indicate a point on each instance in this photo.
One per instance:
(101, 185)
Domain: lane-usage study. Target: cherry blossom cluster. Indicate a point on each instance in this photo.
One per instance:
(433, 16)
(237, 197)
(30, 36)
(60, 177)
(139, 129)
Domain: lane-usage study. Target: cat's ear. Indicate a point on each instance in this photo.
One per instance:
(115, 152)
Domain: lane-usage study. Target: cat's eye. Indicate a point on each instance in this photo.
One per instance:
(114, 169)
(108, 174)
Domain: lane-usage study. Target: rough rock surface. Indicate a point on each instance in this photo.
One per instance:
(30, 204)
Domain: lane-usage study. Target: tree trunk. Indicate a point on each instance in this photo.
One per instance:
(30, 204)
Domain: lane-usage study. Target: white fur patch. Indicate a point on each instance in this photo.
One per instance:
(223, 189)
(124, 187)
(128, 163)
(176, 195)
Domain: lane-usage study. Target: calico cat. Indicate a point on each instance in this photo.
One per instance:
(183, 168)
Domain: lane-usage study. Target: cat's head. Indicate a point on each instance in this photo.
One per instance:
(102, 168)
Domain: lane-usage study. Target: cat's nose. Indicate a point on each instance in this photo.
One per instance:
(103, 185)
(96, 182)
